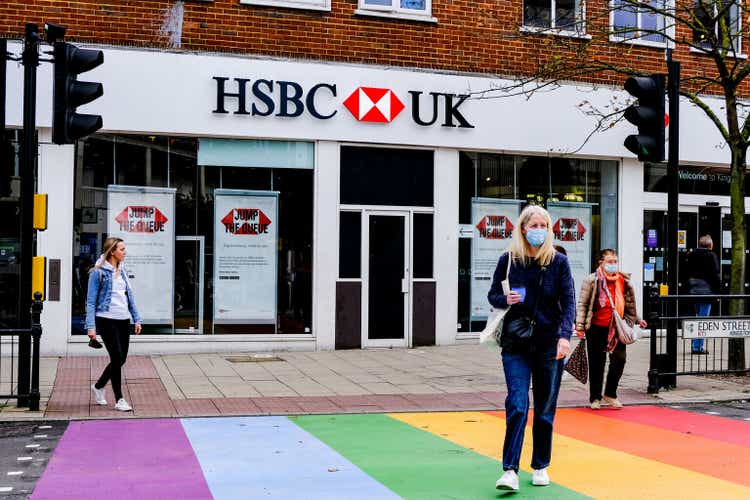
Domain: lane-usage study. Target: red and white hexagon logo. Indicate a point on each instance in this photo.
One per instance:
(369, 104)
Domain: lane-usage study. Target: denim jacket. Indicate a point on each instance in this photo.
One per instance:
(99, 295)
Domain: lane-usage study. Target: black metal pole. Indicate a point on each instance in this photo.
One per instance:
(36, 334)
(28, 161)
(673, 161)
(3, 73)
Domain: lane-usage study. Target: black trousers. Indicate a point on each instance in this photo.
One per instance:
(596, 347)
(116, 336)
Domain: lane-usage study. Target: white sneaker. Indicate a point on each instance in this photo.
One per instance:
(123, 405)
(540, 477)
(508, 481)
(98, 395)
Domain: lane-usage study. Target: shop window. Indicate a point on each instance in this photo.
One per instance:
(581, 196)
(143, 172)
(350, 245)
(10, 230)
(639, 23)
(418, 9)
(383, 176)
(561, 15)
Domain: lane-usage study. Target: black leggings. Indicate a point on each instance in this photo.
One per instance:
(116, 336)
(596, 345)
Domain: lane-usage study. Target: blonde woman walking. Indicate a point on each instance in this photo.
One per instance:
(110, 306)
(541, 299)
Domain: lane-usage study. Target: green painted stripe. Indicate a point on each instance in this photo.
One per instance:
(416, 464)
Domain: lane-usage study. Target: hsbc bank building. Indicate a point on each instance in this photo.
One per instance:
(273, 204)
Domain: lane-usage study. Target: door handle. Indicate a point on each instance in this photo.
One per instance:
(404, 285)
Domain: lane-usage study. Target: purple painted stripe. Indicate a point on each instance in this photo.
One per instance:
(123, 459)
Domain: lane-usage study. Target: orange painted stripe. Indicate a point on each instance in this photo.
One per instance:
(706, 456)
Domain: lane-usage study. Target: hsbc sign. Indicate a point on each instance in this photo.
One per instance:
(266, 98)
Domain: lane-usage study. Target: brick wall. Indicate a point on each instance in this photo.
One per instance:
(473, 36)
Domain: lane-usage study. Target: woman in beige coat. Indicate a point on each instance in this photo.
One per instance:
(594, 320)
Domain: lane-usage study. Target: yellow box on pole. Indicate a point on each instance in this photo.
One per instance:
(663, 290)
(40, 212)
(38, 276)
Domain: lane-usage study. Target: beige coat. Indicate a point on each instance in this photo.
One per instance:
(585, 307)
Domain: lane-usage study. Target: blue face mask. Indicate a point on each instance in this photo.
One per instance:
(610, 268)
(536, 237)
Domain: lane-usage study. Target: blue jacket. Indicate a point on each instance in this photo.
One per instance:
(99, 295)
(557, 309)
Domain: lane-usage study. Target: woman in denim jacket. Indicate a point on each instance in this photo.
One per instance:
(110, 305)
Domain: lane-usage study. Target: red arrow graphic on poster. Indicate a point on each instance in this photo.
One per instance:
(568, 229)
(246, 221)
(141, 219)
(495, 227)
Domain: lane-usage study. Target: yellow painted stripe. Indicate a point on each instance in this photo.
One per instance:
(592, 470)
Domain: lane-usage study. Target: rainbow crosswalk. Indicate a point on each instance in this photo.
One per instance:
(645, 451)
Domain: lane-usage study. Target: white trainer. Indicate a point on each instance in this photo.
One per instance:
(123, 405)
(540, 477)
(508, 481)
(98, 395)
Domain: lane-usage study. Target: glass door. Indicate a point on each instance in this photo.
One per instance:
(188, 289)
(387, 279)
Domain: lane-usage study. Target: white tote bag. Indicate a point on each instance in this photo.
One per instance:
(491, 333)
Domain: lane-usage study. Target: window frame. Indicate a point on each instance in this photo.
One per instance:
(669, 31)
(579, 24)
(321, 5)
(736, 51)
(395, 10)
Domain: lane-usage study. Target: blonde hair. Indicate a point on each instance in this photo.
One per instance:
(520, 248)
(109, 246)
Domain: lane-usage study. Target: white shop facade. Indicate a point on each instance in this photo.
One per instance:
(276, 205)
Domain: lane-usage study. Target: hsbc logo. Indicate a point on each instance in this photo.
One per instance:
(288, 99)
(369, 104)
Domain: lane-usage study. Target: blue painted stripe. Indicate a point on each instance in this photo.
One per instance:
(271, 457)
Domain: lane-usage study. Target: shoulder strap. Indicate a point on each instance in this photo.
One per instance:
(507, 270)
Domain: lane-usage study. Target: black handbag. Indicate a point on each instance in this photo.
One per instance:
(518, 325)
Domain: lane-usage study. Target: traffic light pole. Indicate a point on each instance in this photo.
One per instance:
(673, 207)
(28, 158)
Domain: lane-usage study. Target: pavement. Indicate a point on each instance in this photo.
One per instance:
(443, 378)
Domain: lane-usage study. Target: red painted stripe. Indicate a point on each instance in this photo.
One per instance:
(713, 427)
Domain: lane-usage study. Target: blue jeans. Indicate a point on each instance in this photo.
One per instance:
(701, 310)
(520, 369)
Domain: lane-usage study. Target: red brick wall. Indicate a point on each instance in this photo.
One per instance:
(471, 35)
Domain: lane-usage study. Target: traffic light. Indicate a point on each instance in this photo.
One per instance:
(69, 93)
(648, 116)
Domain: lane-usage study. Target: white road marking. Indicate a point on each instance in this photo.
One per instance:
(25, 459)
(40, 436)
(33, 445)
(44, 427)
(713, 413)
(5, 489)
(15, 473)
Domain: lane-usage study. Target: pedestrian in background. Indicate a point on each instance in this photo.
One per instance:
(541, 288)
(703, 270)
(594, 321)
(110, 306)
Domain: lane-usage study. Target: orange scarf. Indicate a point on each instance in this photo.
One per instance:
(619, 298)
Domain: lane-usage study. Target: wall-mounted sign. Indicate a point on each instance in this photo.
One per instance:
(718, 328)
(288, 99)
(144, 218)
(246, 228)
